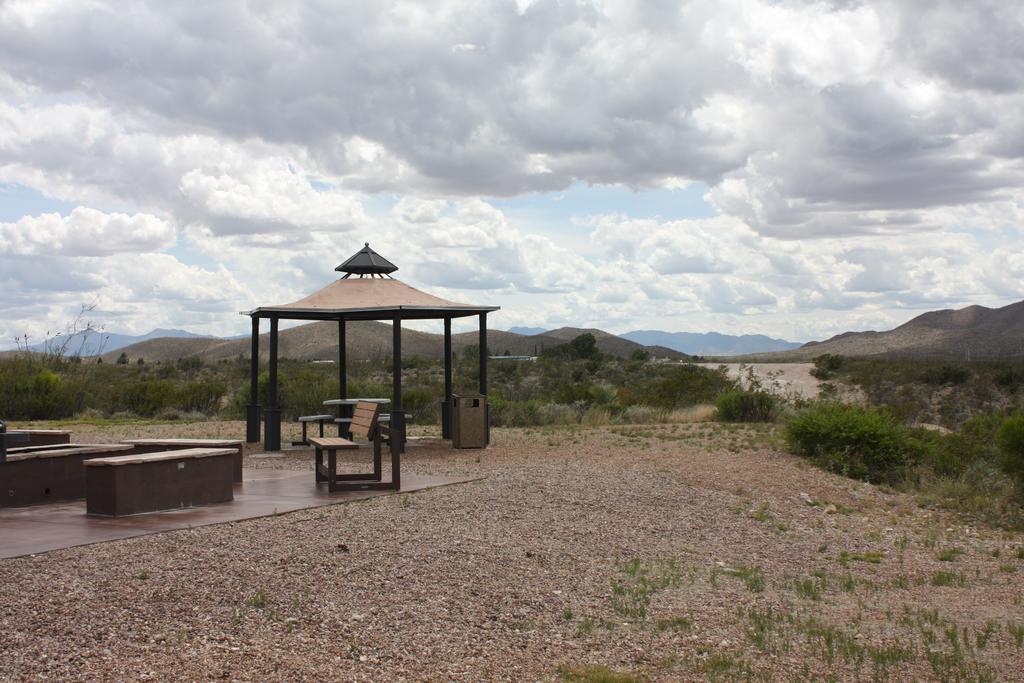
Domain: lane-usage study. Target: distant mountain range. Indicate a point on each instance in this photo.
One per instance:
(527, 331)
(971, 333)
(368, 339)
(94, 343)
(710, 343)
(693, 343)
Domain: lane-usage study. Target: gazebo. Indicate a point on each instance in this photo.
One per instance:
(366, 291)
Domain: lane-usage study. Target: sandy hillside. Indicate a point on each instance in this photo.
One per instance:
(790, 379)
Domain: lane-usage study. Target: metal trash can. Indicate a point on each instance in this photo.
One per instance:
(469, 421)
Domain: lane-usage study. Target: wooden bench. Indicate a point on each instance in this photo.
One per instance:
(319, 419)
(168, 480)
(45, 474)
(365, 424)
(142, 446)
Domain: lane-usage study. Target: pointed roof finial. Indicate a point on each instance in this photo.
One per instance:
(366, 262)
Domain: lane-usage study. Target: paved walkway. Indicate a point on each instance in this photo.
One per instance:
(263, 492)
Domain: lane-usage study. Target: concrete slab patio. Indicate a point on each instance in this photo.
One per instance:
(262, 493)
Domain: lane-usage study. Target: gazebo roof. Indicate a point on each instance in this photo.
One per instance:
(367, 262)
(368, 298)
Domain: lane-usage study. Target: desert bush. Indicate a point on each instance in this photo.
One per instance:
(640, 414)
(201, 397)
(862, 443)
(190, 364)
(1010, 379)
(980, 489)
(514, 413)
(946, 374)
(826, 365)
(685, 386)
(1010, 439)
(745, 406)
(147, 397)
(699, 413)
(556, 414)
(974, 441)
(303, 390)
(30, 390)
(596, 416)
(423, 403)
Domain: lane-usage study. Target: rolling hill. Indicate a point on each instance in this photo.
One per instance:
(319, 341)
(971, 333)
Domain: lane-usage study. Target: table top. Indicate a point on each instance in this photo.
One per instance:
(353, 401)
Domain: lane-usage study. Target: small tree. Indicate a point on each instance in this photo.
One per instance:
(584, 346)
(1010, 439)
(122, 359)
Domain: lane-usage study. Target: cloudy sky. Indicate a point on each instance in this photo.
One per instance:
(783, 167)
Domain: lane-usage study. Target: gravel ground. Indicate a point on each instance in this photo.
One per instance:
(669, 552)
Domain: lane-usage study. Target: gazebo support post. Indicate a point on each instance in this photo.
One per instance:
(397, 413)
(272, 413)
(483, 376)
(446, 404)
(344, 411)
(252, 411)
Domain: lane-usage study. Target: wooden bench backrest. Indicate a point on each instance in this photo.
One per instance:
(364, 419)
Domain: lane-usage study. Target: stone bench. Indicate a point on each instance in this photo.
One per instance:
(46, 437)
(34, 475)
(167, 480)
(13, 439)
(159, 445)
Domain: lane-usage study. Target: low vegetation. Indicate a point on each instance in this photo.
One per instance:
(746, 406)
(862, 443)
(951, 433)
(974, 465)
(929, 391)
(568, 384)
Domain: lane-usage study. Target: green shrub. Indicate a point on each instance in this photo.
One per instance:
(826, 365)
(684, 386)
(1010, 438)
(1010, 379)
(863, 443)
(147, 397)
(975, 441)
(423, 404)
(514, 413)
(946, 374)
(303, 389)
(201, 397)
(938, 453)
(29, 390)
(745, 406)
